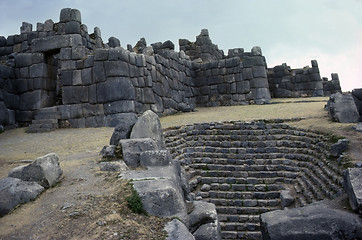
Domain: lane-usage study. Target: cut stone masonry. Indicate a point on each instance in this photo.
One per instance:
(91, 83)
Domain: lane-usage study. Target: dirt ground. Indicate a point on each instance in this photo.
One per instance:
(89, 204)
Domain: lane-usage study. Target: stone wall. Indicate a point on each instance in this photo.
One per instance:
(304, 82)
(91, 83)
(232, 81)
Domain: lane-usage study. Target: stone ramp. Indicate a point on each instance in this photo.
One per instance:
(242, 167)
(46, 120)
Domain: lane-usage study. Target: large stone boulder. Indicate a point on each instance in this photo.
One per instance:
(14, 191)
(176, 230)
(339, 147)
(44, 170)
(312, 222)
(204, 222)
(123, 130)
(133, 148)
(149, 126)
(342, 108)
(160, 191)
(353, 186)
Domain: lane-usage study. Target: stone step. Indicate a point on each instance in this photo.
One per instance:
(232, 210)
(243, 195)
(240, 227)
(241, 180)
(308, 195)
(38, 129)
(241, 235)
(45, 121)
(245, 187)
(245, 202)
(238, 218)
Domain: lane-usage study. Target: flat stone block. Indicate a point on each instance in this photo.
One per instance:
(353, 186)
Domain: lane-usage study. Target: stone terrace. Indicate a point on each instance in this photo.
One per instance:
(242, 168)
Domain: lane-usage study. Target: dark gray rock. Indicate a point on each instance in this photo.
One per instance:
(203, 213)
(168, 45)
(286, 198)
(342, 108)
(2, 129)
(114, 42)
(14, 191)
(44, 170)
(160, 191)
(123, 130)
(357, 93)
(339, 147)
(353, 186)
(176, 230)
(132, 149)
(312, 222)
(55, 42)
(208, 231)
(115, 89)
(149, 126)
(108, 152)
(256, 50)
(140, 45)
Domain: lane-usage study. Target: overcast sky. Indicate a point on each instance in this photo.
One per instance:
(291, 31)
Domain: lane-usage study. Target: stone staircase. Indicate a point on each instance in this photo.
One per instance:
(45, 120)
(242, 167)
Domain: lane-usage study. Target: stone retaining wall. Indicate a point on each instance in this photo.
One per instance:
(243, 167)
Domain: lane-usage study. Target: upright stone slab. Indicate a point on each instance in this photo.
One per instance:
(342, 108)
(123, 130)
(44, 170)
(353, 185)
(149, 126)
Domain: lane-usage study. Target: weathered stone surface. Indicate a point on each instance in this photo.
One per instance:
(339, 147)
(256, 50)
(208, 231)
(114, 42)
(114, 89)
(160, 191)
(55, 42)
(286, 198)
(132, 149)
(176, 230)
(314, 222)
(14, 191)
(123, 130)
(114, 166)
(353, 186)
(342, 108)
(44, 170)
(108, 152)
(149, 126)
(203, 213)
(155, 158)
